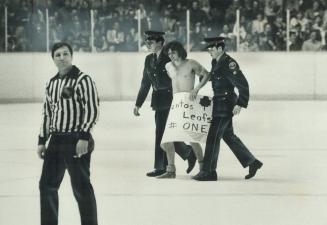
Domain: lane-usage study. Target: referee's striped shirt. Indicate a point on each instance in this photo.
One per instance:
(71, 105)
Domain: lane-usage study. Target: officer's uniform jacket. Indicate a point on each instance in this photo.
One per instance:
(155, 75)
(225, 76)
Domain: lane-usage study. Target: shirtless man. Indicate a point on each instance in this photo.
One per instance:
(182, 72)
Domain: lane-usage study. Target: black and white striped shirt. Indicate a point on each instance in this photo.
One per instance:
(71, 105)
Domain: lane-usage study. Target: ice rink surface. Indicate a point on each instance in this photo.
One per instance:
(289, 137)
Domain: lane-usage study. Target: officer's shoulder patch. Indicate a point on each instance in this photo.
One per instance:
(232, 65)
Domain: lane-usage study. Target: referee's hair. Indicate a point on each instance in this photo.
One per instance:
(59, 45)
(178, 47)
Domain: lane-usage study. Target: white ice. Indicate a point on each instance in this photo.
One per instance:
(289, 137)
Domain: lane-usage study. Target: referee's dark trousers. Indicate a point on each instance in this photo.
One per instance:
(222, 127)
(58, 157)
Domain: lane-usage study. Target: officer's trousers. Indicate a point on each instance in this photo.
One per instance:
(58, 157)
(160, 158)
(222, 127)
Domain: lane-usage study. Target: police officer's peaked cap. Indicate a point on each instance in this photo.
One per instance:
(213, 41)
(150, 34)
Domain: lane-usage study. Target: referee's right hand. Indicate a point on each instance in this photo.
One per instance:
(41, 151)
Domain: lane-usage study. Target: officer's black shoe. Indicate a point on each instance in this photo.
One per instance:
(156, 173)
(191, 162)
(206, 176)
(253, 167)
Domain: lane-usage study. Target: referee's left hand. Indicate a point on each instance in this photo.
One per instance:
(41, 151)
(81, 147)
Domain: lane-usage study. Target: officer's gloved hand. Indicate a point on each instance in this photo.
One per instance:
(136, 111)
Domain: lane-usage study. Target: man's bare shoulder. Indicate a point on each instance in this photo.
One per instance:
(192, 62)
(169, 65)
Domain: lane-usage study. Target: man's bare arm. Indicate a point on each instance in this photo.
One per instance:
(202, 72)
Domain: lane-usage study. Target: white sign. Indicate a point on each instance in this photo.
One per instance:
(188, 121)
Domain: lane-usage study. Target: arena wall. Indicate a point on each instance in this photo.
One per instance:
(118, 75)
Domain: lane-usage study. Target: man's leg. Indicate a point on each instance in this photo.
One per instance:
(183, 150)
(160, 158)
(216, 131)
(52, 174)
(241, 152)
(197, 149)
(170, 152)
(79, 171)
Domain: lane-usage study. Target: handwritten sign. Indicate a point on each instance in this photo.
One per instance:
(188, 120)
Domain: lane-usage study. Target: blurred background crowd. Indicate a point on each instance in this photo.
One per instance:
(113, 24)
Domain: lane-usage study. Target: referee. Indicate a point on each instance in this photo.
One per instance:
(70, 111)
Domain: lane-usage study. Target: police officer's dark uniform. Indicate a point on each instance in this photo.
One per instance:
(225, 76)
(155, 75)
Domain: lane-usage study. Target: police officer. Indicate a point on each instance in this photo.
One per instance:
(225, 76)
(155, 75)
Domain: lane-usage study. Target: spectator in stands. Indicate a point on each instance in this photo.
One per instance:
(244, 27)
(230, 38)
(306, 32)
(323, 33)
(247, 10)
(84, 44)
(272, 9)
(258, 24)
(299, 19)
(258, 8)
(197, 37)
(299, 33)
(143, 12)
(249, 44)
(115, 36)
(230, 14)
(205, 7)
(152, 22)
(317, 23)
(38, 39)
(226, 32)
(293, 6)
(129, 45)
(295, 43)
(21, 40)
(197, 14)
(180, 13)
(100, 43)
(314, 11)
(130, 20)
(84, 11)
(279, 33)
(312, 44)
(266, 39)
(180, 33)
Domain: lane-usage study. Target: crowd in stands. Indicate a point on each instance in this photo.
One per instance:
(262, 23)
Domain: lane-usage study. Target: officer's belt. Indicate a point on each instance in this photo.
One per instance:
(161, 89)
(222, 94)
